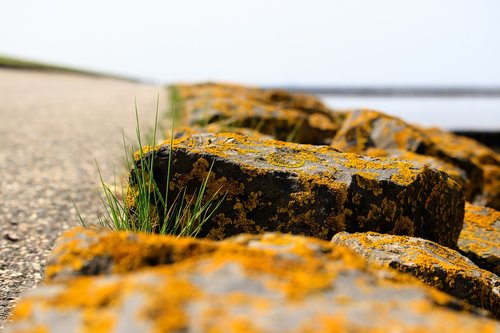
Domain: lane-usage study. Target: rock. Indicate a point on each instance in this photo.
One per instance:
(283, 115)
(306, 103)
(10, 236)
(491, 191)
(277, 97)
(480, 237)
(310, 190)
(214, 90)
(184, 132)
(364, 129)
(462, 148)
(441, 267)
(281, 123)
(454, 172)
(265, 283)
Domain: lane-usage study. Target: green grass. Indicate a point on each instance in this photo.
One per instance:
(181, 216)
(16, 63)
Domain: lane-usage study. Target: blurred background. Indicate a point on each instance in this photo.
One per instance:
(432, 62)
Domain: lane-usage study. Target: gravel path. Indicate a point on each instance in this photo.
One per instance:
(52, 129)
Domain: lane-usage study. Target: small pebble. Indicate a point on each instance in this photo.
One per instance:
(11, 236)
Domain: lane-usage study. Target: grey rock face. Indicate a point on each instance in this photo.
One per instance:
(436, 265)
(264, 283)
(311, 190)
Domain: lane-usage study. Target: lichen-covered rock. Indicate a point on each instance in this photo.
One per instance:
(277, 97)
(265, 283)
(184, 132)
(311, 190)
(364, 129)
(462, 148)
(434, 264)
(454, 172)
(490, 196)
(285, 116)
(282, 123)
(480, 237)
(213, 90)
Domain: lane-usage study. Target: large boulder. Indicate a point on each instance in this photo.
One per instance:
(262, 283)
(277, 97)
(439, 266)
(285, 116)
(311, 190)
(364, 129)
(282, 123)
(480, 237)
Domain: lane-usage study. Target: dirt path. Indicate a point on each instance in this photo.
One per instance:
(52, 129)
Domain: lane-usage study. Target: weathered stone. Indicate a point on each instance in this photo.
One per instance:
(311, 190)
(462, 148)
(265, 283)
(216, 128)
(281, 114)
(277, 97)
(491, 189)
(282, 123)
(454, 172)
(365, 129)
(439, 266)
(210, 90)
(480, 237)
(306, 103)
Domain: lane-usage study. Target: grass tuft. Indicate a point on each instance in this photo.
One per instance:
(181, 216)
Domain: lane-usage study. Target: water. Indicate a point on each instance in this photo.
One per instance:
(452, 113)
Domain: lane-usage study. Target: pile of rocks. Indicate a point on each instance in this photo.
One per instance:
(361, 222)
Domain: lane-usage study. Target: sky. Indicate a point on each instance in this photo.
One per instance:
(267, 42)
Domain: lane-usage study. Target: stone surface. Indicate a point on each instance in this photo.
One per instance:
(264, 283)
(311, 190)
(436, 265)
(184, 132)
(454, 172)
(277, 97)
(364, 129)
(283, 115)
(491, 189)
(480, 237)
(282, 123)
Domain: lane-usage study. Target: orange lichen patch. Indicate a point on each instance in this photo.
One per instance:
(166, 310)
(76, 295)
(480, 237)
(23, 311)
(481, 217)
(406, 172)
(454, 172)
(96, 322)
(121, 251)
